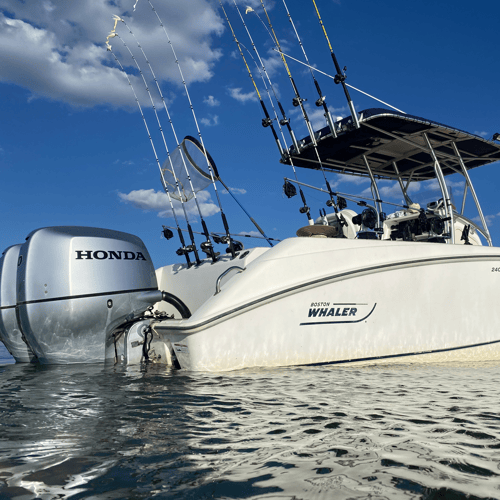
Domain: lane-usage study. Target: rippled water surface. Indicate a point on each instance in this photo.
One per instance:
(378, 432)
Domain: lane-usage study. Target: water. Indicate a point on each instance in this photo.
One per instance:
(380, 432)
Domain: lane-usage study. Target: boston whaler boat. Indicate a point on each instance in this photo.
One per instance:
(353, 286)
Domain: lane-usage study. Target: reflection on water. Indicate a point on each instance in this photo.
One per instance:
(389, 432)
(5, 356)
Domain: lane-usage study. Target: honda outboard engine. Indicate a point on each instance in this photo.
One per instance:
(76, 285)
(10, 332)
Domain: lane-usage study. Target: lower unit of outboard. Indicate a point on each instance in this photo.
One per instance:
(76, 285)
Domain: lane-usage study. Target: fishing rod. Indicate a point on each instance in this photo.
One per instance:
(117, 18)
(169, 234)
(298, 101)
(288, 188)
(266, 122)
(184, 250)
(207, 246)
(223, 215)
(208, 249)
(285, 121)
(339, 77)
(322, 99)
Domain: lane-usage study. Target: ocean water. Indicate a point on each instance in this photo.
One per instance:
(379, 432)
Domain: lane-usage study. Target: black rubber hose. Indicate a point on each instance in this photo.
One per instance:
(177, 303)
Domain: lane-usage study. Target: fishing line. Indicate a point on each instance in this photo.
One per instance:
(185, 249)
(298, 101)
(339, 77)
(312, 68)
(285, 121)
(223, 215)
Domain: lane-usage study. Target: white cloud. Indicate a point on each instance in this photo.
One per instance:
(211, 121)
(489, 220)
(149, 199)
(211, 101)
(235, 191)
(236, 93)
(481, 134)
(317, 118)
(273, 63)
(316, 115)
(352, 179)
(426, 190)
(56, 49)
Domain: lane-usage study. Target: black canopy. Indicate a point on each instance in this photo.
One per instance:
(387, 136)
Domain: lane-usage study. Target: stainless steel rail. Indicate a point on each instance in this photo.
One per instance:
(232, 268)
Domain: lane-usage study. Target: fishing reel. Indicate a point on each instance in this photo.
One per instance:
(167, 233)
(419, 228)
(185, 250)
(237, 245)
(368, 218)
(266, 122)
(209, 251)
(320, 101)
(289, 189)
(340, 77)
(297, 101)
(341, 203)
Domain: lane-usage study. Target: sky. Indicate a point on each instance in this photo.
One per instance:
(74, 149)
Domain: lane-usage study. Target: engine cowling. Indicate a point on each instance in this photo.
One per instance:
(76, 285)
(10, 331)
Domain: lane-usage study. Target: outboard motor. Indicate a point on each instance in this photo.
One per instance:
(10, 332)
(76, 285)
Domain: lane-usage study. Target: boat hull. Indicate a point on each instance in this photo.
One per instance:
(348, 302)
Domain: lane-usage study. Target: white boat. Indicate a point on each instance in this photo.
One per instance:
(356, 285)
(417, 285)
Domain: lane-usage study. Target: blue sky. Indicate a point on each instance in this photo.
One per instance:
(74, 150)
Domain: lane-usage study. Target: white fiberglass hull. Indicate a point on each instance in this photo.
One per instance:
(312, 301)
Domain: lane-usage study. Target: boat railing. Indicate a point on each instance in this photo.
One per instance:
(227, 271)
